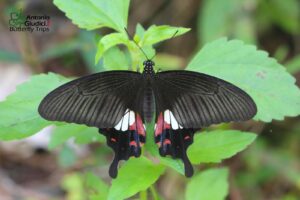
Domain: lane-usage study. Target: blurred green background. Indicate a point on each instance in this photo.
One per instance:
(268, 169)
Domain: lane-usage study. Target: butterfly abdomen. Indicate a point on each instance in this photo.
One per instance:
(148, 104)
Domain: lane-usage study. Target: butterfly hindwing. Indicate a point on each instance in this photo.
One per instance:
(126, 139)
(172, 139)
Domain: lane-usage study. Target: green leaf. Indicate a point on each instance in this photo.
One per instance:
(136, 175)
(92, 14)
(216, 20)
(10, 56)
(267, 82)
(208, 185)
(19, 112)
(168, 62)
(284, 13)
(88, 49)
(84, 43)
(109, 41)
(157, 34)
(217, 145)
(89, 135)
(176, 164)
(81, 133)
(60, 49)
(67, 157)
(293, 66)
(115, 59)
(139, 33)
(73, 185)
(96, 187)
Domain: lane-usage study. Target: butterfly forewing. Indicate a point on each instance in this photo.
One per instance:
(199, 100)
(98, 100)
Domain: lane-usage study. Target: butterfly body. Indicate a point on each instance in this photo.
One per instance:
(120, 103)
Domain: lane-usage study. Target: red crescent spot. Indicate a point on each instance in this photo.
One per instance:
(132, 127)
(187, 137)
(140, 126)
(133, 143)
(159, 125)
(167, 126)
(167, 141)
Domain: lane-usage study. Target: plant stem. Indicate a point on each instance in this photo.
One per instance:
(154, 192)
(143, 195)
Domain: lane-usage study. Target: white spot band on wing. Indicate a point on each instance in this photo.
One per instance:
(170, 119)
(127, 120)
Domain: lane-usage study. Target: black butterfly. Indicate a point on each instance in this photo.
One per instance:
(119, 103)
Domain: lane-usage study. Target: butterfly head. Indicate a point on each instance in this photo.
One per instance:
(148, 66)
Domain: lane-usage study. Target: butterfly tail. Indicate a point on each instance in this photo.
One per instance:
(174, 142)
(126, 140)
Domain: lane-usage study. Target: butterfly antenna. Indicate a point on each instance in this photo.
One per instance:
(170, 39)
(131, 38)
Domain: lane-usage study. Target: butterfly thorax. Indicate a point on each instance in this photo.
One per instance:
(148, 67)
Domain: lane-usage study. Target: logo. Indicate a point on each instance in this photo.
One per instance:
(19, 22)
(16, 19)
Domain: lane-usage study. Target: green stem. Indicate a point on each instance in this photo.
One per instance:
(154, 192)
(143, 195)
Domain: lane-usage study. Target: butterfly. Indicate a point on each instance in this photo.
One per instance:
(120, 103)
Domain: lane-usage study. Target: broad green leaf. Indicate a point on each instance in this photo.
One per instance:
(19, 115)
(216, 20)
(96, 187)
(175, 164)
(139, 33)
(81, 133)
(60, 49)
(109, 41)
(92, 14)
(136, 175)
(137, 56)
(293, 65)
(89, 135)
(84, 43)
(267, 82)
(281, 53)
(270, 164)
(208, 185)
(217, 145)
(9, 56)
(168, 62)
(157, 34)
(67, 157)
(88, 49)
(115, 59)
(73, 185)
(284, 13)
